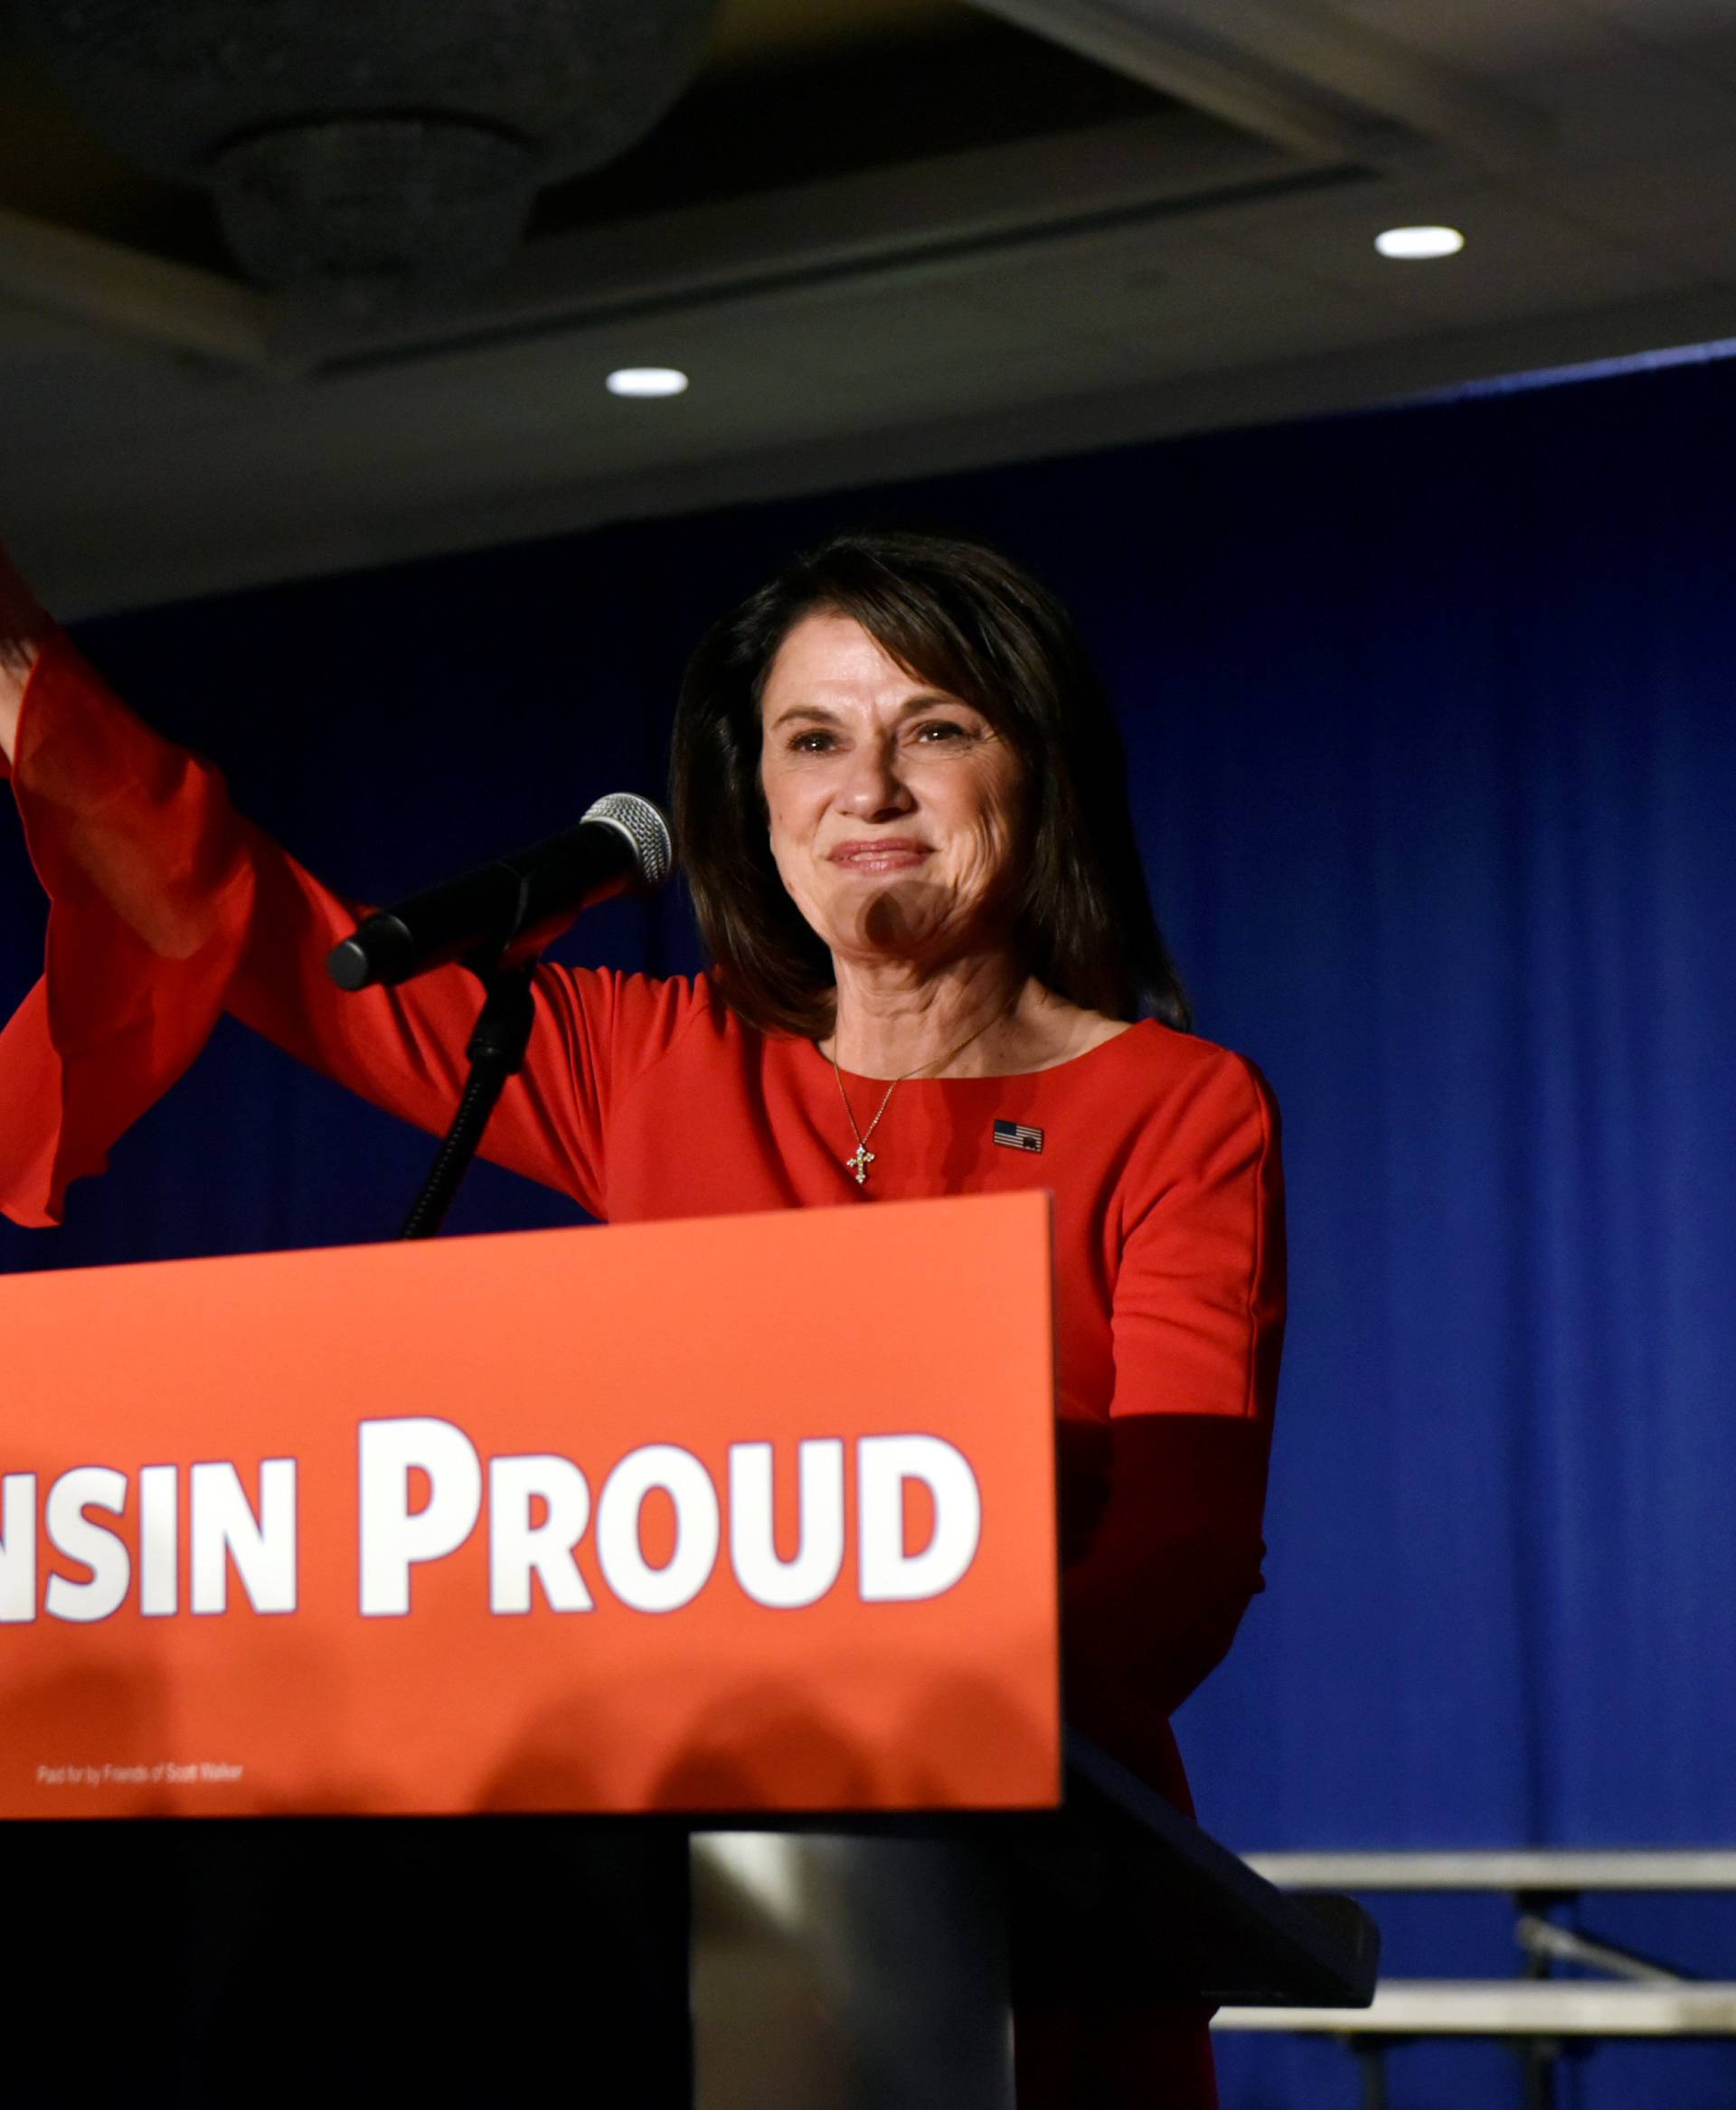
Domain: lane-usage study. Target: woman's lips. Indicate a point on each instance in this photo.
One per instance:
(892, 853)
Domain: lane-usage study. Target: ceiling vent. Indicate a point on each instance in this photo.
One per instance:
(370, 150)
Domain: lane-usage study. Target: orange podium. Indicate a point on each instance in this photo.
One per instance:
(743, 1514)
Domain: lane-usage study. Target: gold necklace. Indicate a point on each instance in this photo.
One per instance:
(862, 1157)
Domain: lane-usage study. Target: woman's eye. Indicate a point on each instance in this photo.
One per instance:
(929, 732)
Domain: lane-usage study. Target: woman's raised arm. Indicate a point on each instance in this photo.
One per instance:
(167, 908)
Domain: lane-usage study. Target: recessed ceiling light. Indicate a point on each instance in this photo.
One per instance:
(646, 380)
(1416, 243)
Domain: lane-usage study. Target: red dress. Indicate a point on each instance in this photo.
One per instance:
(644, 1099)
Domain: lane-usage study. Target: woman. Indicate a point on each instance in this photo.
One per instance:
(900, 797)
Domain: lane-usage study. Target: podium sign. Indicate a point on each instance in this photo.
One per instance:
(748, 1513)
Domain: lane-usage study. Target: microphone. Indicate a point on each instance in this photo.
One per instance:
(621, 845)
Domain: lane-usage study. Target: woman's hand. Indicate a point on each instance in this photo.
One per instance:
(23, 622)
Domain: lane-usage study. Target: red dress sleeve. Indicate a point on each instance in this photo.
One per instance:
(167, 908)
(1198, 1319)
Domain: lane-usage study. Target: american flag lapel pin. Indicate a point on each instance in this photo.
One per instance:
(1015, 1135)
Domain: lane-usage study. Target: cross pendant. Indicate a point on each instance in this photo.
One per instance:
(859, 1163)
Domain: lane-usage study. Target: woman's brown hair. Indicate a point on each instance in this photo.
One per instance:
(963, 616)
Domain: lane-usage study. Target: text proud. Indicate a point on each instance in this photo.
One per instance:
(194, 1540)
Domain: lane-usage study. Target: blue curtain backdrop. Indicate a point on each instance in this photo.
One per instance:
(1433, 753)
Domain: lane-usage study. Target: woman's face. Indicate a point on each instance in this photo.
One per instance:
(896, 811)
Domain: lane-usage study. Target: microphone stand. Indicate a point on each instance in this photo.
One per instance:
(496, 1052)
(621, 844)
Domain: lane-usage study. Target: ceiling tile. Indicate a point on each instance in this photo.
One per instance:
(1488, 36)
(1647, 98)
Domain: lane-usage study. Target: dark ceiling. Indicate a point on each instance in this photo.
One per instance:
(787, 96)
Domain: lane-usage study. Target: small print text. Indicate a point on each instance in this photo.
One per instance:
(202, 1772)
